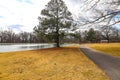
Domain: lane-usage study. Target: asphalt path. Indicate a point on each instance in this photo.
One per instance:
(109, 64)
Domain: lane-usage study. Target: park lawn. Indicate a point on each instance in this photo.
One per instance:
(66, 63)
(109, 48)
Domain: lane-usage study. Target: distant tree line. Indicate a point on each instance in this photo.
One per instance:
(8, 36)
(91, 35)
(97, 35)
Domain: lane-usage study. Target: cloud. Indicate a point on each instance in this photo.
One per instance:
(1, 16)
(26, 1)
(75, 1)
(26, 12)
(17, 26)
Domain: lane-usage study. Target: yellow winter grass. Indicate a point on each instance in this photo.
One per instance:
(109, 48)
(66, 63)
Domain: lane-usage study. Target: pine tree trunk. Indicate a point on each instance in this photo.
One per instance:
(57, 35)
(57, 29)
(57, 39)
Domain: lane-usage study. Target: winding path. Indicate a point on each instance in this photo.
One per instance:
(109, 64)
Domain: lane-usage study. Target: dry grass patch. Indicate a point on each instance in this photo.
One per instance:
(66, 63)
(109, 48)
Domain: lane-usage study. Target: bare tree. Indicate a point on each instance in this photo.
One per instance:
(116, 35)
(106, 32)
(99, 11)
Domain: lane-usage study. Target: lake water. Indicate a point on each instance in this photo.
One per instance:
(22, 47)
(9, 47)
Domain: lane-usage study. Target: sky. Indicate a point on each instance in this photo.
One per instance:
(21, 15)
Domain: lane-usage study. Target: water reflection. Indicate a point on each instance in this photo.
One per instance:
(21, 47)
(7, 47)
(38, 46)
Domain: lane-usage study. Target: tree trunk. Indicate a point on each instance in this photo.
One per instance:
(57, 39)
(57, 30)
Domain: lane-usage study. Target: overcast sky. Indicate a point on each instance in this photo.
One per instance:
(21, 15)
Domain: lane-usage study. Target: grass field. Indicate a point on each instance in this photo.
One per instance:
(109, 48)
(66, 63)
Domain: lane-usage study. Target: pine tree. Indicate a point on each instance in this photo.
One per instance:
(54, 18)
(91, 35)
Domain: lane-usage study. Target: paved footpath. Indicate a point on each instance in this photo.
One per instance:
(109, 64)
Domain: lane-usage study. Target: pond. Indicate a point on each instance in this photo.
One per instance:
(21, 47)
(10, 47)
